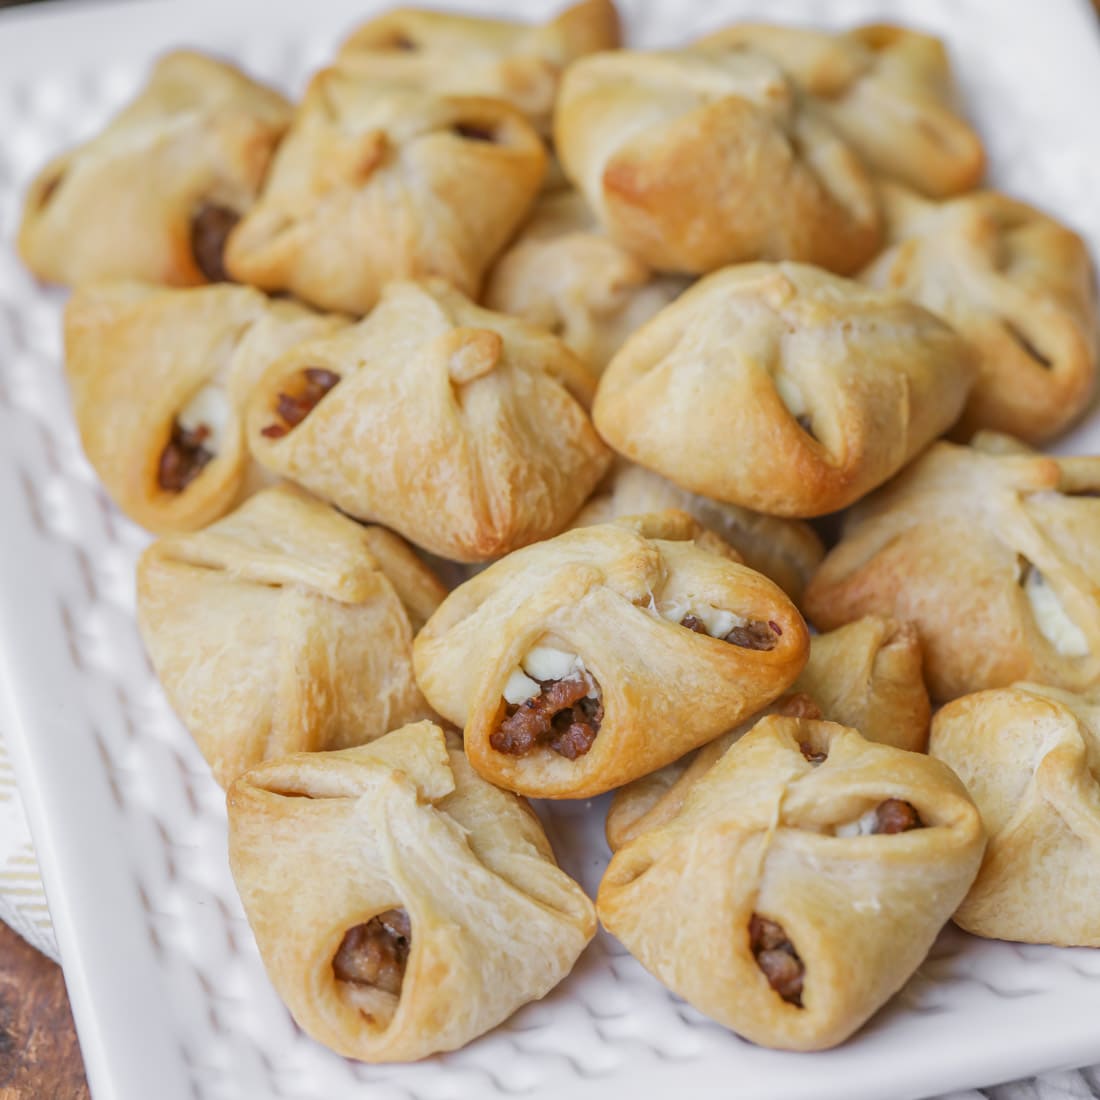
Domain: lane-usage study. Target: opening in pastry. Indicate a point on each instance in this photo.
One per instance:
(376, 953)
(211, 225)
(475, 131)
(184, 456)
(814, 746)
(303, 394)
(790, 393)
(727, 626)
(1028, 348)
(1049, 614)
(399, 41)
(891, 816)
(777, 958)
(49, 189)
(551, 701)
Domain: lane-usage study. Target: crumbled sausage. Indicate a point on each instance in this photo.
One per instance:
(812, 754)
(692, 623)
(755, 635)
(210, 228)
(472, 132)
(777, 958)
(376, 953)
(293, 408)
(184, 457)
(896, 816)
(563, 717)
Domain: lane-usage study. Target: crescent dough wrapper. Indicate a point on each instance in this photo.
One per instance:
(481, 920)
(284, 627)
(159, 379)
(1018, 286)
(788, 551)
(593, 658)
(774, 902)
(154, 195)
(564, 274)
(886, 90)
(783, 389)
(1030, 756)
(866, 675)
(693, 159)
(464, 430)
(467, 55)
(377, 182)
(994, 556)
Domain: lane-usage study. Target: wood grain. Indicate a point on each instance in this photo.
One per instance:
(39, 1053)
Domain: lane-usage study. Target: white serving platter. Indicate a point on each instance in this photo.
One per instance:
(170, 998)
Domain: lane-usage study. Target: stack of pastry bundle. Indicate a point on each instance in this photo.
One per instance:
(315, 348)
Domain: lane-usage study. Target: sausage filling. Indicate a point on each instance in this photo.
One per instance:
(293, 408)
(184, 457)
(891, 816)
(210, 228)
(777, 958)
(376, 953)
(724, 625)
(564, 716)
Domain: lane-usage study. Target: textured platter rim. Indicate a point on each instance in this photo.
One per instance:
(129, 1048)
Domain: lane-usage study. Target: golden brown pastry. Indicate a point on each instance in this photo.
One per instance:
(788, 551)
(376, 182)
(284, 627)
(466, 55)
(564, 273)
(801, 882)
(1029, 755)
(464, 430)
(1018, 286)
(593, 658)
(993, 554)
(693, 159)
(159, 379)
(783, 388)
(154, 195)
(866, 675)
(888, 91)
(401, 904)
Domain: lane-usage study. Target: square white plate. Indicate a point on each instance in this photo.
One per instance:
(169, 995)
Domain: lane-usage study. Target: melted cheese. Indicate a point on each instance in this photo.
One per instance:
(1051, 618)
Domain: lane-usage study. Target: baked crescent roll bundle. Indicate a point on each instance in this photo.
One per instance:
(888, 91)
(468, 55)
(159, 379)
(593, 658)
(564, 273)
(992, 552)
(1028, 754)
(783, 389)
(800, 883)
(464, 430)
(284, 627)
(156, 193)
(866, 675)
(401, 904)
(1018, 286)
(376, 182)
(786, 550)
(693, 159)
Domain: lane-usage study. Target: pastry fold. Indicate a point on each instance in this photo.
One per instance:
(159, 378)
(785, 550)
(585, 661)
(284, 627)
(992, 552)
(1018, 286)
(866, 675)
(1029, 756)
(378, 181)
(801, 882)
(697, 158)
(467, 55)
(154, 195)
(401, 904)
(888, 91)
(565, 274)
(464, 430)
(783, 388)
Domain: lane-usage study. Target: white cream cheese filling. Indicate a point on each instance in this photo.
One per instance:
(1051, 618)
(543, 662)
(864, 825)
(209, 409)
(717, 621)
